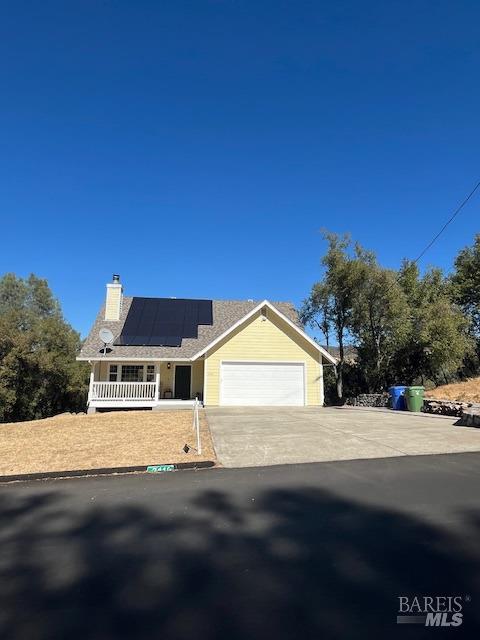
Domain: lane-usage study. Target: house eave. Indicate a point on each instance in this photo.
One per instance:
(130, 359)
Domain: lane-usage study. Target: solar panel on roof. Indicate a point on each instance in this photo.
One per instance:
(164, 321)
(205, 312)
(164, 341)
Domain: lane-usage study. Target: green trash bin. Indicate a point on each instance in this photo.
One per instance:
(414, 398)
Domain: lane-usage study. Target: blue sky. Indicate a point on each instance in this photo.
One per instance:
(197, 148)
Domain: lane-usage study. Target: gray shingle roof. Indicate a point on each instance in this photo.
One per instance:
(225, 314)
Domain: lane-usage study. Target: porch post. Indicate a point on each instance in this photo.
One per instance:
(157, 384)
(90, 386)
(205, 380)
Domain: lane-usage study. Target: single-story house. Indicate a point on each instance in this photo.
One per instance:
(147, 352)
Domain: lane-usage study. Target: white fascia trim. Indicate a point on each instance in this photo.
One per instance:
(251, 313)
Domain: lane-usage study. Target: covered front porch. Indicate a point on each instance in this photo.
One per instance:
(147, 384)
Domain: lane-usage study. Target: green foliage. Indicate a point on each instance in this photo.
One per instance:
(438, 340)
(465, 283)
(39, 376)
(406, 328)
(330, 304)
(380, 319)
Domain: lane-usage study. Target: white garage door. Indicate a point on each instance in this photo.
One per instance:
(262, 383)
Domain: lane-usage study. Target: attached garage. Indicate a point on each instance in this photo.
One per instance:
(262, 384)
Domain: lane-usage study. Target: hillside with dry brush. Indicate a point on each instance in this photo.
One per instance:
(468, 391)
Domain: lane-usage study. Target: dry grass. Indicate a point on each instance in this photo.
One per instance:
(468, 391)
(115, 439)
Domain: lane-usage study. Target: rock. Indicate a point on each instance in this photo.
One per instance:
(430, 405)
(445, 407)
(471, 417)
(370, 400)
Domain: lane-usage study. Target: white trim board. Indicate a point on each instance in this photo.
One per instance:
(120, 366)
(205, 379)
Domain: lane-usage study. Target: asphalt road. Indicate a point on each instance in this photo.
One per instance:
(287, 552)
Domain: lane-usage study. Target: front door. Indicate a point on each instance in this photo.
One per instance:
(183, 378)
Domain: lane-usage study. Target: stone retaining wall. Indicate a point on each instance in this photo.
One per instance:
(445, 407)
(430, 405)
(369, 400)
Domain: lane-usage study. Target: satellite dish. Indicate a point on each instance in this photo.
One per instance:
(106, 336)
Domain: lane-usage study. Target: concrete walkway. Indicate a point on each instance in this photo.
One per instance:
(257, 436)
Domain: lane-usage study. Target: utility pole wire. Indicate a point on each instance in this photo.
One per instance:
(451, 219)
(432, 242)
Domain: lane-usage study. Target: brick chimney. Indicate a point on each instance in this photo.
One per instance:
(113, 302)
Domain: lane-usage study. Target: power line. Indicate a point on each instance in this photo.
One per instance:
(451, 219)
(435, 238)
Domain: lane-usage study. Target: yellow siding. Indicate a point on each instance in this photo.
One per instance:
(270, 340)
(197, 378)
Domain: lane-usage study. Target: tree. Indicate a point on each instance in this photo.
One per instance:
(465, 283)
(38, 372)
(316, 311)
(438, 340)
(405, 328)
(380, 318)
(329, 306)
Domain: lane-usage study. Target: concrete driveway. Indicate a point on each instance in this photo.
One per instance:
(247, 437)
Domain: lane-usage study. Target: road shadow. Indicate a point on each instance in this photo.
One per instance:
(288, 564)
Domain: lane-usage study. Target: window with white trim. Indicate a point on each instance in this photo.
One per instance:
(113, 373)
(132, 373)
(150, 377)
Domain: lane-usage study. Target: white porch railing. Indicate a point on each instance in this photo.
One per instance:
(123, 391)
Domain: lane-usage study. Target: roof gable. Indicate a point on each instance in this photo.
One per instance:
(275, 310)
